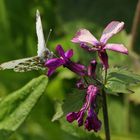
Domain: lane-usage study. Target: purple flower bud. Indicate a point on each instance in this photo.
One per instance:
(80, 119)
(71, 116)
(104, 59)
(92, 68)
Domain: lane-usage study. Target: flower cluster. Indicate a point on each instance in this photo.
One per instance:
(91, 122)
(88, 114)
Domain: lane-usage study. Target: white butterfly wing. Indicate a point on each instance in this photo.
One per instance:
(42, 52)
(12, 64)
(40, 36)
(23, 65)
(31, 63)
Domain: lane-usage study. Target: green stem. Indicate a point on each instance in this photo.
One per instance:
(105, 111)
(105, 77)
(105, 115)
(85, 80)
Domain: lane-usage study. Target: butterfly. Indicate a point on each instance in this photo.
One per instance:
(32, 63)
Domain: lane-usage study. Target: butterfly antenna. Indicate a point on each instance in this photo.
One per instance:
(48, 36)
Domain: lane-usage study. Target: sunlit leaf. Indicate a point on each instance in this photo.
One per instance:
(15, 108)
(119, 80)
(59, 112)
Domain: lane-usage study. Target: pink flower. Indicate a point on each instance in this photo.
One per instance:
(84, 37)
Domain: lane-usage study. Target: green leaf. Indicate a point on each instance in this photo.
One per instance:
(124, 75)
(72, 103)
(120, 79)
(116, 86)
(15, 108)
(59, 112)
(77, 131)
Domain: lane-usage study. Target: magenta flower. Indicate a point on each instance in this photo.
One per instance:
(79, 116)
(91, 122)
(84, 37)
(64, 60)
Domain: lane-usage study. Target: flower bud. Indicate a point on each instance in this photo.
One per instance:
(92, 68)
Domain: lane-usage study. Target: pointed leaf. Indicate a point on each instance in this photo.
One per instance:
(15, 108)
(119, 80)
(59, 112)
(123, 74)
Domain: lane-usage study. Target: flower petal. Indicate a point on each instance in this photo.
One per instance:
(71, 116)
(77, 68)
(111, 29)
(50, 71)
(104, 59)
(80, 119)
(92, 92)
(116, 47)
(84, 36)
(97, 123)
(92, 122)
(54, 62)
(60, 51)
(69, 53)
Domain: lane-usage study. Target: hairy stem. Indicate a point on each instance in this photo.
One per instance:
(105, 111)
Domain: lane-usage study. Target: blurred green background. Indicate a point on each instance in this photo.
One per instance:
(18, 40)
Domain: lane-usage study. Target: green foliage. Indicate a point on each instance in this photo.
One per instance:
(120, 79)
(73, 129)
(59, 112)
(16, 107)
(18, 40)
(73, 102)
